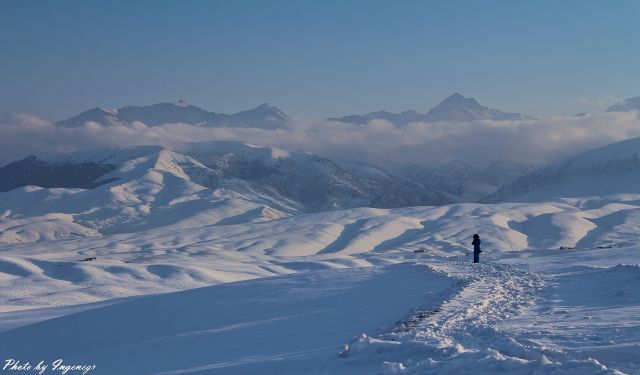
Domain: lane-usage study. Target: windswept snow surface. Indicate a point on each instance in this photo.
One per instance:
(271, 325)
(285, 296)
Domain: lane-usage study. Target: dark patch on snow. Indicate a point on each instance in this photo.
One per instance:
(33, 171)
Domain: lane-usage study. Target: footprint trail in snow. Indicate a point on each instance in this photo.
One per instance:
(472, 327)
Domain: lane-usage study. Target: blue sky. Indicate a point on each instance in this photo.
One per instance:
(317, 58)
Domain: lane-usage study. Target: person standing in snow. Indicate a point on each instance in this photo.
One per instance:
(476, 248)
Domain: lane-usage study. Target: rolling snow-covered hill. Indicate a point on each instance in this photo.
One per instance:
(263, 116)
(455, 108)
(344, 294)
(142, 259)
(137, 188)
(607, 170)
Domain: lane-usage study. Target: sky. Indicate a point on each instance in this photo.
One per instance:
(317, 58)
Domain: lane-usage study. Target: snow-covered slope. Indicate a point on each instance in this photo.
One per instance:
(607, 170)
(500, 173)
(137, 188)
(149, 187)
(529, 307)
(455, 108)
(284, 325)
(464, 182)
(263, 116)
(457, 178)
(318, 183)
(258, 290)
(205, 251)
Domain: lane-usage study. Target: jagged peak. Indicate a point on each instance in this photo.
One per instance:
(456, 99)
(269, 107)
(265, 109)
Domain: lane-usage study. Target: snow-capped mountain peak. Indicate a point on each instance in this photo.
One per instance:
(455, 108)
(458, 108)
(457, 100)
(264, 116)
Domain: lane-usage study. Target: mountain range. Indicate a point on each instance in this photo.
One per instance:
(135, 188)
(263, 116)
(114, 190)
(123, 190)
(455, 108)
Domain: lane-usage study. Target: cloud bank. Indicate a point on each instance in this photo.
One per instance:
(378, 142)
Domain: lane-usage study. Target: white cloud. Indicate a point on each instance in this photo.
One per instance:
(378, 142)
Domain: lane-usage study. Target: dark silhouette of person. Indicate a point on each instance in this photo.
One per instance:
(476, 248)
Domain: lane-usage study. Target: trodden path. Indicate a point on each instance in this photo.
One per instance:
(482, 328)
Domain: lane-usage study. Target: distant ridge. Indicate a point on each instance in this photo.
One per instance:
(455, 108)
(612, 169)
(630, 104)
(312, 182)
(263, 116)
